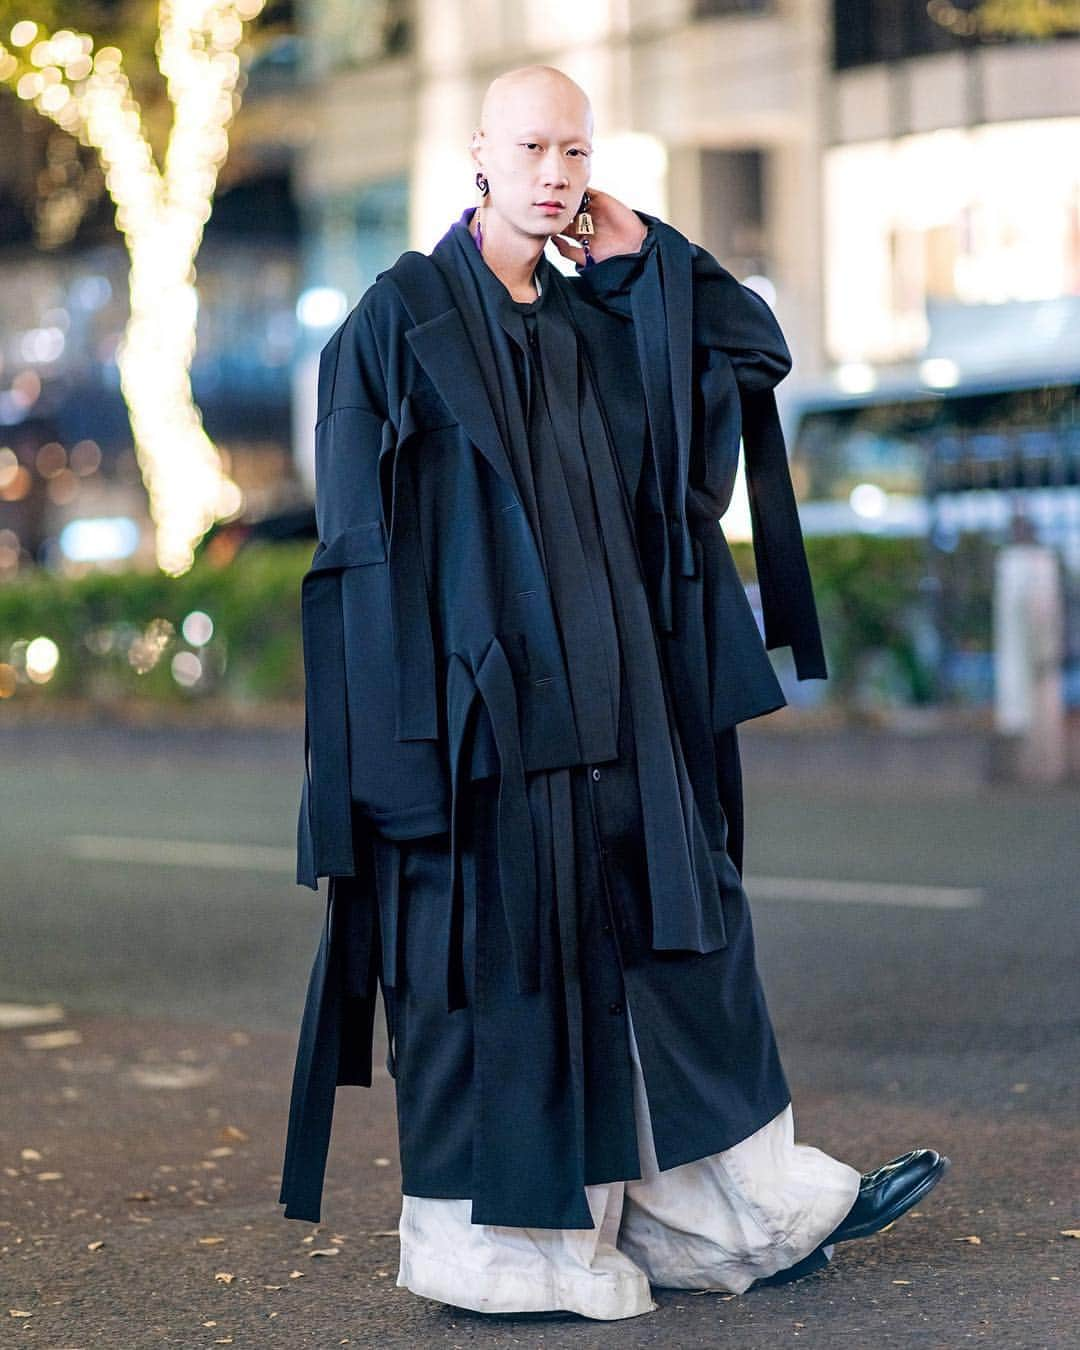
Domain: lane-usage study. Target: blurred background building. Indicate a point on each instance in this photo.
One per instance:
(900, 178)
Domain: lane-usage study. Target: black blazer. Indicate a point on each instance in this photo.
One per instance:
(426, 592)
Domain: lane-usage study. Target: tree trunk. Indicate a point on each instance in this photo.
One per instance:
(187, 487)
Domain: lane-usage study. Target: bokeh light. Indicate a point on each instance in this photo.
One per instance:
(42, 658)
(148, 646)
(187, 669)
(197, 628)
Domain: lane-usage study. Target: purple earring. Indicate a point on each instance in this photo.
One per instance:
(482, 184)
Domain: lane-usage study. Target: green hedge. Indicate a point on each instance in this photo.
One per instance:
(101, 621)
(871, 594)
(874, 604)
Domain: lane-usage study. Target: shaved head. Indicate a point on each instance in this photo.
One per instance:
(518, 89)
(533, 145)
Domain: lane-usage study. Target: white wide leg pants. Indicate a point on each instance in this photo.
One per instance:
(718, 1223)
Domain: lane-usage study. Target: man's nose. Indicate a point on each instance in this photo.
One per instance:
(555, 171)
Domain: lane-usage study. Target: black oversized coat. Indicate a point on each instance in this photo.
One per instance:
(426, 672)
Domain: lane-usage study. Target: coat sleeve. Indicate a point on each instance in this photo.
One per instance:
(736, 324)
(739, 356)
(359, 774)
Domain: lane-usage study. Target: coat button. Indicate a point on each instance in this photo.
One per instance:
(615, 1007)
(603, 851)
(596, 775)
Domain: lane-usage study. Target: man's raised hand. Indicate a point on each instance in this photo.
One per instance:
(618, 229)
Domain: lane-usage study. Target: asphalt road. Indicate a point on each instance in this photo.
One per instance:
(146, 889)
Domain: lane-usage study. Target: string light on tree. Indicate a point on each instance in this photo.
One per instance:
(161, 212)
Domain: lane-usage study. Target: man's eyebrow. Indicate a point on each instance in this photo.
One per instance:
(531, 132)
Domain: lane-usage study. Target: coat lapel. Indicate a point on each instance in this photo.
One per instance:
(442, 347)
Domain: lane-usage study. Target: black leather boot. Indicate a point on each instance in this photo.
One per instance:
(889, 1191)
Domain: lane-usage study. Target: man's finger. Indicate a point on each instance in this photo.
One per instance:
(567, 249)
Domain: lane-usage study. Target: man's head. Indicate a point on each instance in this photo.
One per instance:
(534, 145)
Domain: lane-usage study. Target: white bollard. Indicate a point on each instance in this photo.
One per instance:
(1029, 703)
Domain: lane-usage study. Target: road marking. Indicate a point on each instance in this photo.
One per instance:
(181, 853)
(863, 893)
(266, 858)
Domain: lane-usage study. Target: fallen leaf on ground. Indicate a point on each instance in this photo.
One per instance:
(1070, 1232)
(273, 1287)
(223, 1277)
(296, 1274)
(30, 1155)
(49, 1176)
(95, 1246)
(14, 1015)
(170, 1076)
(209, 1324)
(224, 1151)
(325, 1251)
(973, 1238)
(139, 1195)
(19, 1312)
(209, 1241)
(901, 1281)
(381, 1162)
(52, 1040)
(233, 1133)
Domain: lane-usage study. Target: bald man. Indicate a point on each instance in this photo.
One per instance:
(534, 834)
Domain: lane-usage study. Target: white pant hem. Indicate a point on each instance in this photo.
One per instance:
(604, 1296)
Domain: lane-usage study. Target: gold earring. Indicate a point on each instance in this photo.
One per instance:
(583, 224)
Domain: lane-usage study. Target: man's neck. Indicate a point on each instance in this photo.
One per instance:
(510, 255)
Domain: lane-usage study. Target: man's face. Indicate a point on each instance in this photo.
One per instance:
(536, 149)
